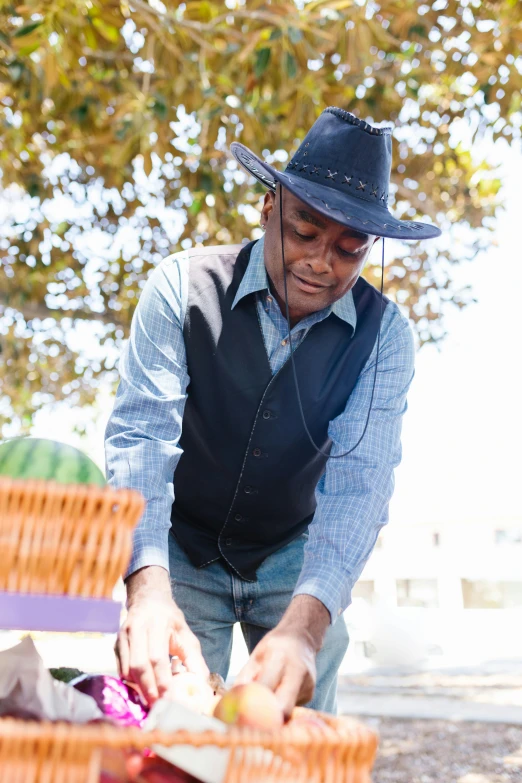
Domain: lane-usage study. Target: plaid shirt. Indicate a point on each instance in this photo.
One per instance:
(352, 496)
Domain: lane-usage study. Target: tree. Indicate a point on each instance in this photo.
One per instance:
(117, 116)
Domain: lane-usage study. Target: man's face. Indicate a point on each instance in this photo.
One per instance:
(323, 259)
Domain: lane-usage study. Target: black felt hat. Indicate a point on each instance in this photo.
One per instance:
(342, 170)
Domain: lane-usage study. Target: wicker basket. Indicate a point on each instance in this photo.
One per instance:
(75, 541)
(342, 752)
(59, 539)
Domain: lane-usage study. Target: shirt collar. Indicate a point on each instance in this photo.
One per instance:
(256, 279)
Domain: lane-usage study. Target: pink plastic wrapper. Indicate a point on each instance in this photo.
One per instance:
(115, 699)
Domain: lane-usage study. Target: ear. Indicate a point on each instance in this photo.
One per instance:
(268, 207)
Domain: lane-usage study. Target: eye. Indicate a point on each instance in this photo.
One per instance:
(347, 254)
(303, 237)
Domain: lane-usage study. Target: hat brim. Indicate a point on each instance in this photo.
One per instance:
(343, 208)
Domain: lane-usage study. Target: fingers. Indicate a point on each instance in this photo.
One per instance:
(140, 667)
(296, 687)
(265, 666)
(185, 644)
(159, 657)
(285, 667)
(249, 671)
(284, 676)
(121, 650)
(272, 672)
(176, 666)
(150, 632)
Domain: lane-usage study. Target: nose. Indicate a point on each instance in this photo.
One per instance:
(320, 260)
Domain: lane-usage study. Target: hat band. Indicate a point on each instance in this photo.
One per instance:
(391, 222)
(360, 187)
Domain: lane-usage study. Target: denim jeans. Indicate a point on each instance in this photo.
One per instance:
(214, 598)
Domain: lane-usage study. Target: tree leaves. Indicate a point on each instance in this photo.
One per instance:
(262, 60)
(27, 29)
(115, 120)
(290, 65)
(107, 31)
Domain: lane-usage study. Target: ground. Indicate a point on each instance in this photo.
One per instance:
(435, 751)
(452, 726)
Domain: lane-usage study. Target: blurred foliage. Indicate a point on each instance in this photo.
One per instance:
(115, 123)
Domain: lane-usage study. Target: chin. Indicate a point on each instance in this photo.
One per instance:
(300, 304)
(306, 305)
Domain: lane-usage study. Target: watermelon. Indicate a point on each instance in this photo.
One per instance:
(40, 458)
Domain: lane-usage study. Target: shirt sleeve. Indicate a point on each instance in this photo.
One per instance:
(354, 492)
(142, 434)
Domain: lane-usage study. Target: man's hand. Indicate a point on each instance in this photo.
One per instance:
(284, 660)
(153, 628)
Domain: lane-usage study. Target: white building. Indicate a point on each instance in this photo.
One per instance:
(470, 564)
(449, 592)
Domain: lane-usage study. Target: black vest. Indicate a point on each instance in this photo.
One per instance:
(245, 483)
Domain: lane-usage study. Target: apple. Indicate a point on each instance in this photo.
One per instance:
(192, 691)
(253, 705)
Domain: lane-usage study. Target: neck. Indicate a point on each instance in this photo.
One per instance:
(294, 317)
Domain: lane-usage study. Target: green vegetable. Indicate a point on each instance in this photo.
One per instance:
(64, 674)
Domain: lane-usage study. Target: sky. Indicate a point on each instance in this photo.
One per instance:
(463, 429)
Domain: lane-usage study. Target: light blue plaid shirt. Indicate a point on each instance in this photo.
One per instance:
(143, 432)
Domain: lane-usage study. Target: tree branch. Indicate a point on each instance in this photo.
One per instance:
(108, 56)
(260, 16)
(31, 310)
(426, 207)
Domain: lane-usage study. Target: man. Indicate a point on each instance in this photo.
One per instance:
(270, 523)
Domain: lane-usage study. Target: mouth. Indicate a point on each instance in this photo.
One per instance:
(307, 285)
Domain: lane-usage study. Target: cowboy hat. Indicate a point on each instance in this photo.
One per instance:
(342, 170)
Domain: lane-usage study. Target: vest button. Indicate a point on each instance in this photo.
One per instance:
(248, 490)
(228, 542)
(257, 452)
(266, 415)
(238, 517)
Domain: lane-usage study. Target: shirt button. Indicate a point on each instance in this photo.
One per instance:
(228, 542)
(238, 517)
(269, 299)
(256, 452)
(340, 612)
(266, 414)
(284, 342)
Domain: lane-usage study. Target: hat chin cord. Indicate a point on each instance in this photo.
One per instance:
(320, 451)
